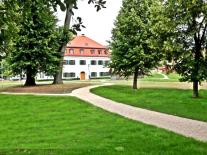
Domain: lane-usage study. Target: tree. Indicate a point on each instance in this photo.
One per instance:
(35, 35)
(69, 5)
(58, 74)
(9, 20)
(132, 52)
(5, 69)
(186, 23)
(36, 48)
(61, 36)
(1, 26)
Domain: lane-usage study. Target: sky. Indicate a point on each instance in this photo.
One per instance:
(98, 24)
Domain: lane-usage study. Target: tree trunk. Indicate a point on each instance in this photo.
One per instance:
(135, 79)
(58, 75)
(195, 89)
(196, 66)
(30, 80)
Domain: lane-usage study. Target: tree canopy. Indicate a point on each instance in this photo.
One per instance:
(132, 52)
(186, 24)
(35, 49)
(9, 19)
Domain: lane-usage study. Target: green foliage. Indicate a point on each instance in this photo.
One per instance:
(61, 36)
(98, 4)
(29, 36)
(131, 43)
(9, 20)
(38, 40)
(5, 68)
(185, 23)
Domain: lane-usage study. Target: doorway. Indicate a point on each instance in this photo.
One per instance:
(82, 76)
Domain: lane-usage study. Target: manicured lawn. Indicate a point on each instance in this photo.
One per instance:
(155, 76)
(172, 101)
(173, 77)
(5, 84)
(66, 125)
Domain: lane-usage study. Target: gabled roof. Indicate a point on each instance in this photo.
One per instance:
(84, 42)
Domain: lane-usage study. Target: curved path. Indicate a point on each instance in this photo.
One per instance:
(183, 126)
(165, 76)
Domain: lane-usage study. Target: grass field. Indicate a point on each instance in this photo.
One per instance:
(66, 125)
(172, 101)
(5, 84)
(157, 77)
(173, 76)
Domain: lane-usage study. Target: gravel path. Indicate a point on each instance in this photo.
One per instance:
(183, 126)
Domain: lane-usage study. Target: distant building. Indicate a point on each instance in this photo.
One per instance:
(84, 59)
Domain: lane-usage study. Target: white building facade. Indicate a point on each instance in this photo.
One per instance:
(84, 59)
(85, 68)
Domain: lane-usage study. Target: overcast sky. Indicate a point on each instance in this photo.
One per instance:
(98, 24)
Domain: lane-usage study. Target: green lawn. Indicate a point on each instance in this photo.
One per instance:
(155, 76)
(171, 101)
(5, 84)
(173, 77)
(66, 125)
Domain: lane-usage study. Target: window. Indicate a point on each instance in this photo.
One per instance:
(82, 62)
(105, 52)
(93, 74)
(100, 62)
(93, 62)
(68, 75)
(104, 73)
(81, 51)
(66, 62)
(71, 51)
(99, 52)
(92, 51)
(71, 62)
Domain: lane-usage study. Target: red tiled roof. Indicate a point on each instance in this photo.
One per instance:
(84, 42)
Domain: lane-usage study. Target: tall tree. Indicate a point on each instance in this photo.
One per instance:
(186, 23)
(58, 74)
(9, 19)
(35, 47)
(132, 52)
(2, 10)
(68, 6)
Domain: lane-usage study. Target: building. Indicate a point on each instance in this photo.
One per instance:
(84, 59)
